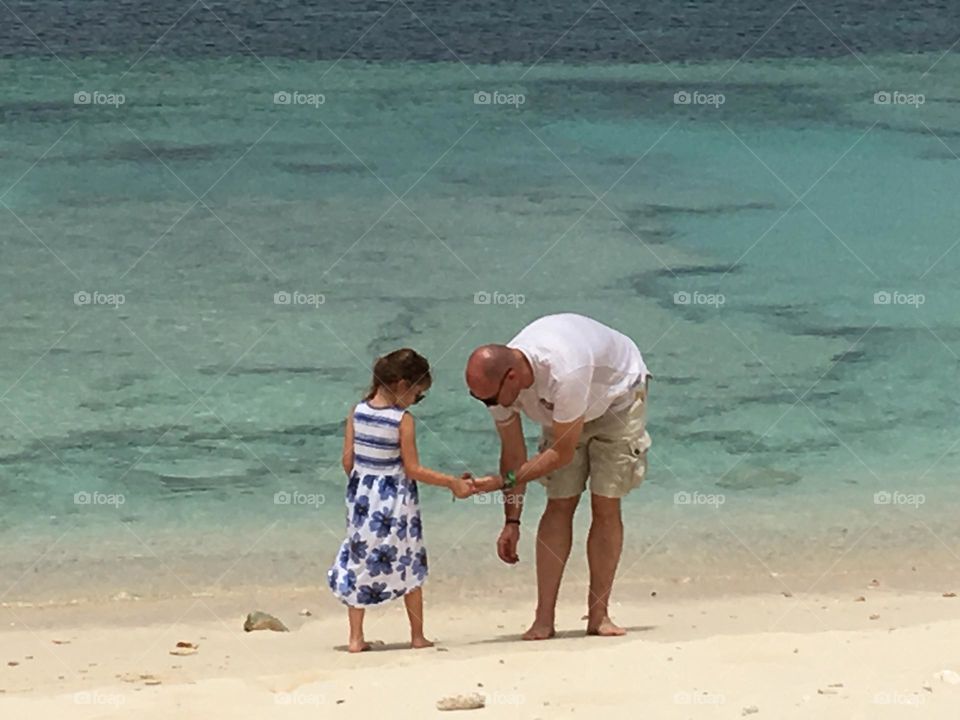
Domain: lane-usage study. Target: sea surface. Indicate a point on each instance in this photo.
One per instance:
(214, 217)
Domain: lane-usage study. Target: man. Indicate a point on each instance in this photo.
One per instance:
(586, 384)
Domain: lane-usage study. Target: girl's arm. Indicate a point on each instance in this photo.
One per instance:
(347, 457)
(416, 471)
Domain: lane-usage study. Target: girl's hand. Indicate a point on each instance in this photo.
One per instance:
(463, 487)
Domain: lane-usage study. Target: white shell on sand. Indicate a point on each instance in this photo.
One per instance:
(474, 701)
(948, 676)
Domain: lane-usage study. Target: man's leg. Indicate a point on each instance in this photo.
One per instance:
(604, 544)
(554, 538)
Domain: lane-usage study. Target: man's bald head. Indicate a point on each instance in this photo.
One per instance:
(489, 362)
(497, 373)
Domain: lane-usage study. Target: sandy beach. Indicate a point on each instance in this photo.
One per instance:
(769, 655)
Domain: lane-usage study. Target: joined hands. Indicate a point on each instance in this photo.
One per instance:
(466, 485)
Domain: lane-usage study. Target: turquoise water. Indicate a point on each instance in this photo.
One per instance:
(784, 385)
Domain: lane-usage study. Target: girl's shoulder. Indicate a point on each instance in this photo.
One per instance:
(365, 409)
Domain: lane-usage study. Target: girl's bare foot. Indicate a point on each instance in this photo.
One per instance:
(539, 632)
(605, 627)
(420, 642)
(356, 646)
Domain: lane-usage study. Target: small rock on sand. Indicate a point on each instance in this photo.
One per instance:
(949, 594)
(474, 701)
(185, 648)
(306, 613)
(860, 598)
(258, 620)
(750, 710)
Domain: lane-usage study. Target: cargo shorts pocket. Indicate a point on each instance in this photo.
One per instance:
(638, 448)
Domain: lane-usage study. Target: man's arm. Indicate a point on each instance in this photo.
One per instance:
(564, 439)
(513, 455)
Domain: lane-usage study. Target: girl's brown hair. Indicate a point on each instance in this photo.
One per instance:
(402, 364)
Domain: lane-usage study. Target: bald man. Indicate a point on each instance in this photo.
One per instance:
(586, 385)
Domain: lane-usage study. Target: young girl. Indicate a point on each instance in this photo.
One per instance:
(383, 556)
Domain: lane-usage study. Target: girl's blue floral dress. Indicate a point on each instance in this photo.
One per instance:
(382, 556)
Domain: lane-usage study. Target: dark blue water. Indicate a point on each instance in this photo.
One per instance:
(479, 32)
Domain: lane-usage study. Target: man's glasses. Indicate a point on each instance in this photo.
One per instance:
(493, 399)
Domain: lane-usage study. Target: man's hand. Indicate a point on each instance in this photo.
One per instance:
(488, 483)
(507, 543)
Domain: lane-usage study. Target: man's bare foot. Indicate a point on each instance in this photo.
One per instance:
(420, 642)
(539, 632)
(605, 627)
(356, 646)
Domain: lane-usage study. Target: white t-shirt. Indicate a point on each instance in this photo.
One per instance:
(581, 368)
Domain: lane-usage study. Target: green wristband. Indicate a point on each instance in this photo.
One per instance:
(509, 480)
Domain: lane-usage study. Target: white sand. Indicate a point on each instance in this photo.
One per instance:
(788, 657)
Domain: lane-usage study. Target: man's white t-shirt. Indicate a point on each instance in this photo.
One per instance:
(581, 368)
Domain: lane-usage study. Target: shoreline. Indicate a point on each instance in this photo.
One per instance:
(697, 553)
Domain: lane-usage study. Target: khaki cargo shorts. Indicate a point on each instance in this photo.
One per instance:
(612, 453)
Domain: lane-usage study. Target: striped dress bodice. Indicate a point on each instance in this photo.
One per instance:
(376, 440)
